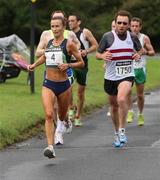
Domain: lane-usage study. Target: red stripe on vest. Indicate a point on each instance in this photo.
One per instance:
(120, 50)
(121, 58)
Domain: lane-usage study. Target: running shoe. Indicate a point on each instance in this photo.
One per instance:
(116, 142)
(49, 152)
(58, 139)
(77, 122)
(140, 120)
(71, 114)
(130, 116)
(122, 136)
(68, 126)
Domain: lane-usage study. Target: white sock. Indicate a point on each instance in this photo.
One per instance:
(50, 146)
(60, 126)
(60, 123)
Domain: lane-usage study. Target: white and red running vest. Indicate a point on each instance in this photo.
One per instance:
(121, 64)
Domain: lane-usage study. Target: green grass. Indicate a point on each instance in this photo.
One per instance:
(20, 110)
(153, 74)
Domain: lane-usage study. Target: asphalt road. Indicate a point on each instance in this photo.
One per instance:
(88, 153)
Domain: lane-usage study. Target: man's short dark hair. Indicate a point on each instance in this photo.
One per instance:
(123, 13)
(137, 20)
(77, 17)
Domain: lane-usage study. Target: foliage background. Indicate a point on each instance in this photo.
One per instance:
(15, 15)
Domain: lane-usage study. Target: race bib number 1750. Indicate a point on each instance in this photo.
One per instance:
(123, 68)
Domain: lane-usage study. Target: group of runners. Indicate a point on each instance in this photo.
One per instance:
(64, 53)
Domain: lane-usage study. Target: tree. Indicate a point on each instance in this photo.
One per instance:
(149, 12)
(95, 14)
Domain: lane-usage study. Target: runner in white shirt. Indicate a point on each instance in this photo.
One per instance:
(116, 48)
(139, 70)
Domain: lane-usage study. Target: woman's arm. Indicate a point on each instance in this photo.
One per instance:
(72, 50)
(39, 61)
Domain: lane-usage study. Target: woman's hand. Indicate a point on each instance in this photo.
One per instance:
(30, 67)
(63, 66)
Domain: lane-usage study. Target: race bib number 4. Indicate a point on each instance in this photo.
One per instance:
(54, 58)
(123, 68)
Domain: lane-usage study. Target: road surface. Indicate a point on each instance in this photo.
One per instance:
(88, 153)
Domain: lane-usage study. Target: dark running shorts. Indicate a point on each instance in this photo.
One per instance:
(81, 75)
(111, 87)
(56, 87)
